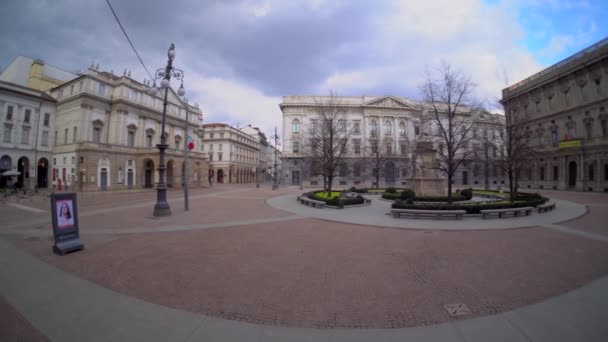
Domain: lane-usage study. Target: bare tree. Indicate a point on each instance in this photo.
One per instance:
(377, 156)
(327, 140)
(515, 141)
(449, 106)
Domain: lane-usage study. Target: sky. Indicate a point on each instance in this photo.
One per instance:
(240, 57)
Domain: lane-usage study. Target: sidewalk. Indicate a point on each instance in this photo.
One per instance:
(66, 308)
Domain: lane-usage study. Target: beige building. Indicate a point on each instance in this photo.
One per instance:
(566, 111)
(106, 131)
(35, 74)
(26, 133)
(391, 123)
(233, 154)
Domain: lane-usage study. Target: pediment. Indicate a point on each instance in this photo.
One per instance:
(388, 102)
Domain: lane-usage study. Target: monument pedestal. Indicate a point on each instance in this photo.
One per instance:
(427, 186)
(426, 182)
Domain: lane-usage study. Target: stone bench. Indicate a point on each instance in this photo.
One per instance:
(545, 207)
(311, 202)
(500, 212)
(427, 213)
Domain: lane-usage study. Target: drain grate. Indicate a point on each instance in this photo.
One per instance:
(457, 309)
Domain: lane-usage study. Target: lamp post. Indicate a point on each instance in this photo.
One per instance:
(275, 183)
(161, 208)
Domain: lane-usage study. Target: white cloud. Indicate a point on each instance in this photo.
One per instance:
(240, 103)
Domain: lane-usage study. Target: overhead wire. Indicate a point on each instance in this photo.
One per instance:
(129, 39)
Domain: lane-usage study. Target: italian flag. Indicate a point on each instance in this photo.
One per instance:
(190, 143)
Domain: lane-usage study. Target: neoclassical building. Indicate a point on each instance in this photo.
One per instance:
(35, 74)
(27, 119)
(233, 154)
(565, 107)
(106, 131)
(390, 123)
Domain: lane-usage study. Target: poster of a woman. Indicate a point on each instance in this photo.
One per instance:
(65, 218)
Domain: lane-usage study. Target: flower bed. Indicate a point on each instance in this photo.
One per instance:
(336, 201)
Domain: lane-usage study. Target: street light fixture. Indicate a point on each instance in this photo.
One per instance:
(161, 208)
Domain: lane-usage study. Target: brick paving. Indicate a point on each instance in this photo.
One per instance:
(310, 273)
(314, 273)
(595, 221)
(15, 328)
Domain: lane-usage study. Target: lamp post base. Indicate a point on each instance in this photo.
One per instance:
(162, 209)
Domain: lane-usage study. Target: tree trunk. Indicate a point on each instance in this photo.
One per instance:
(450, 189)
(330, 179)
(511, 187)
(377, 178)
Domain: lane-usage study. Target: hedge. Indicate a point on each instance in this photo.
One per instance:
(471, 208)
(335, 201)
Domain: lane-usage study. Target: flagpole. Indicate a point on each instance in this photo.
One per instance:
(187, 150)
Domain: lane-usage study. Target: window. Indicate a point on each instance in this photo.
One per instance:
(476, 170)
(315, 126)
(598, 85)
(220, 146)
(542, 173)
(149, 139)
(373, 127)
(47, 119)
(221, 135)
(474, 132)
(402, 129)
(25, 135)
(571, 130)
(296, 147)
(177, 142)
(357, 170)
(26, 118)
(604, 128)
(60, 94)
(555, 173)
(416, 130)
(9, 113)
(202, 146)
(357, 127)
(55, 138)
(101, 89)
(211, 136)
(374, 145)
(389, 148)
(131, 138)
(65, 135)
(295, 126)
(589, 129)
(550, 102)
(388, 128)
(591, 172)
(211, 156)
(80, 87)
(555, 137)
(342, 126)
(567, 96)
(97, 134)
(45, 138)
(537, 103)
(73, 160)
(606, 172)
(219, 156)
(582, 87)
(403, 148)
(72, 89)
(357, 146)
(210, 147)
(440, 149)
(8, 129)
(75, 134)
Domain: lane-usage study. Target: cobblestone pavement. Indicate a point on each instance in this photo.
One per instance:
(305, 272)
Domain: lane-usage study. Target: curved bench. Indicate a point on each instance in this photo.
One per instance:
(427, 213)
(500, 212)
(311, 202)
(545, 207)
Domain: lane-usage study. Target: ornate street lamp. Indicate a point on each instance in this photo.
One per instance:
(161, 208)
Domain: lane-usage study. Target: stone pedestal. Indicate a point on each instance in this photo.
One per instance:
(426, 181)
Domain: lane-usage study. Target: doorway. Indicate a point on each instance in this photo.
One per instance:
(103, 179)
(295, 177)
(572, 174)
(465, 178)
(43, 173)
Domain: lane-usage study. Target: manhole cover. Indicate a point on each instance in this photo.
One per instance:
(457, 309)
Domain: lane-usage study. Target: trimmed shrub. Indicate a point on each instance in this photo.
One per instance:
(467, 193)
(455, 198)
(391, 196)
(336, 200)
(391, 190)
(471, 208)
(408, 194)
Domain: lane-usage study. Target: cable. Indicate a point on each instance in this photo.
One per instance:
(128, 39)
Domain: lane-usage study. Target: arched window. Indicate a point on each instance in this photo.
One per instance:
(402, 128)
(373, 127)
(388, 128)
(295, 126)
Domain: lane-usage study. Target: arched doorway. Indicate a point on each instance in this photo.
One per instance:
(23, 166)
(220, 176)
(6, 164)
(389, 173)
(572, 174)
(148, 173)
(170, 173)
(42, 174)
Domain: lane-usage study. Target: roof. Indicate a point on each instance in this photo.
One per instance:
(18, 72)
(19, 89)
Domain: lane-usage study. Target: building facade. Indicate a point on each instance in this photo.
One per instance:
(565, 110)
(233, 154)
(106, 133)
(27, 125)
(392, 124)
